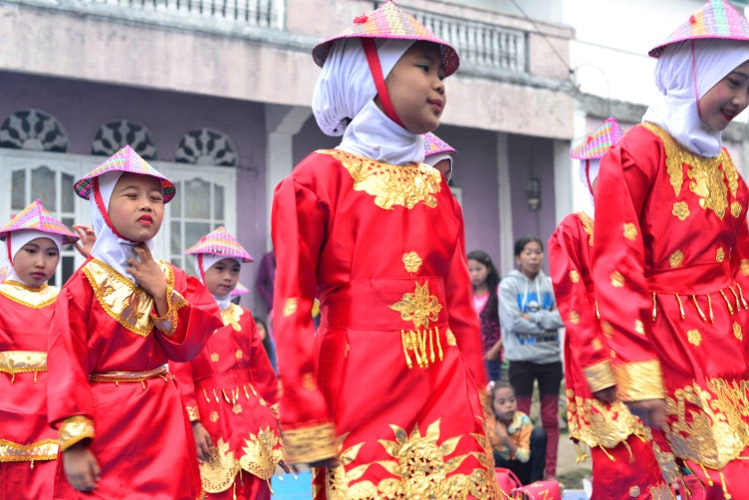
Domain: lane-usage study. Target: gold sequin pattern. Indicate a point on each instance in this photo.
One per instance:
(694, 337)
(680, 210)
(630, 231)
(736, 209)
(720, 255)
(574, 276)
(412, 262)
(676, 259)
(231, 316)
(574, 317)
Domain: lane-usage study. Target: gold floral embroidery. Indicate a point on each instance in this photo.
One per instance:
(708, 423)
(736, 209)
(214, 357)
(574, 317)
(238, 354)
(596, 344)
(640, 381)
(587, 226)
(46, 449)
(231, 316)
(596, 423)
(681, 210)
(217, 474)
(630, 231)
(391, 185)
(737, 331)
(419, 307)
(676, 259)
(289, 307)
(123, 301)
(634, 491)
(574, 276)
(705, 174)
(214, 417)
(720, 255)
(309, 444)
(35, 298)
(412, 262)
(617, 280)
(262, 452)
(694, 337)
(422, 467)
(667, 463)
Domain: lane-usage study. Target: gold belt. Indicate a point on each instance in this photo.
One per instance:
(117, 377)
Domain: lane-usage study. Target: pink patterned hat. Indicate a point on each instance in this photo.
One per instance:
(38, 218)
(389, 21)
(600, 141)
(220, 243)
(433, 145)
(239, 289)
(716, 19)
(124, 160)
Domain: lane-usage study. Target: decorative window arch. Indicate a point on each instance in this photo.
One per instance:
(207, 147)
(33, 130)
(112, 136)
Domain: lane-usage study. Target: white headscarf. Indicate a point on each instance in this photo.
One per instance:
(16, 241)
(343, 103)
(208, 261)
(109, 248)
(676, 111)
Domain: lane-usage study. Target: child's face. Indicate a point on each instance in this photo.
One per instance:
(416, 89)
(221, 278)
(726, 99)
(478, 272)
(261, 330)
(530, 259)
(36, 261)
(504, 404)
(136, 208)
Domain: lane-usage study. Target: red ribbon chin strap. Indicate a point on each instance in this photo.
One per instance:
(374, 67)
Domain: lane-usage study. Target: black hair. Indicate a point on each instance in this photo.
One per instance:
(492, 278)
(520, 244)
(501, 384)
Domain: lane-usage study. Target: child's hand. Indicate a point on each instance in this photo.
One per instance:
(203, 442)
(148, 274)
(81, 468)
(652, 412)
(87, 239)
(607, 395)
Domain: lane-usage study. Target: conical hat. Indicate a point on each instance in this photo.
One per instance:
(600, 141)
(434, 145)
(219, 242)
(716, 19)
(124, 160)
(38, 218)
(389, 21)
(239, 289)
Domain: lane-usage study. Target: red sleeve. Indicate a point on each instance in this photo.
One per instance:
(261, 371)
(569, 261)
(183, 373)
(619, 264)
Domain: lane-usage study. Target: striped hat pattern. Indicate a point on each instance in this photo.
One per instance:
(389, 21)
(38, 218)
(220, 243)
(239, 289)
(600, 141)
(434, 145)
(124, 160)
(716, 19)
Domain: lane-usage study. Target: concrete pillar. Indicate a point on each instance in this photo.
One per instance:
(506, 241)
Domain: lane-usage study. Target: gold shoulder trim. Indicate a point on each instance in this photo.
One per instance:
(121, 299)
(391, 185)
(640, 381)
(310, 444)
(75, 429)
(35, 298)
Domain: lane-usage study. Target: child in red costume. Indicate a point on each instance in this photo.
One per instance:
(28, 446)
(671, 255)
(389, 404)
(596, 418)
(118, 320)
(230, 389)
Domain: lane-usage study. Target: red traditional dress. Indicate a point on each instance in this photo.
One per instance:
(28, 446)
(616, 438)
(398, 357)
(231, 388)
(108, 381)
(670, 267)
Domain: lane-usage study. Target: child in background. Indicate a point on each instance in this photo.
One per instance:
(118, 320)
(596, 418)
(28, 446)
(270, 349)
(485, 279)
(230, 389)
(670, 259)
(516, 444)
(378, 237)
(530, 322)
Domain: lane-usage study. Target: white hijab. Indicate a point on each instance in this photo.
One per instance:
(109, 248)
(343, 103)
(208, 261)
(676, 110)
(17, 239)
